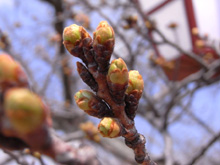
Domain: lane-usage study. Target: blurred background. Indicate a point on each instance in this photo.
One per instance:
(179, 113)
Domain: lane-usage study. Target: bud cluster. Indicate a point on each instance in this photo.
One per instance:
(79, 43)
(112, 82)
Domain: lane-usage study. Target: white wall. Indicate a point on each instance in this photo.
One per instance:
(208, 17)
(207, 13)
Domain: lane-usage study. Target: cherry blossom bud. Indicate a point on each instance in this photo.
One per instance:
(109, 127)
(11, 73)
(83, 99)
(24, 109)
(118, 72)
(103, 33)
(91, 104)
(74, 38)
(72, 33)
(117, 79)
(135, 84)
(103, 45)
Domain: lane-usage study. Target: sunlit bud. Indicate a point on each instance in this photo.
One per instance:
(91, 104)
(150, 24)
(195, 31)
(91, 131)
(103, 45)
(24, 109)
(135, 84)
(118, 72)
(103, 33)
(11, 73)
(200, 43)
(27, 151)
(117, 79)
(37, 155)
(109, 127)
(73, 35)
(83, 98)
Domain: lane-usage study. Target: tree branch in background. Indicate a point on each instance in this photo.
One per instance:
(204, 149)
(59, 26)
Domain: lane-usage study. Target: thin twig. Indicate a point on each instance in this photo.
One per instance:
(204, 149)
(15, 157)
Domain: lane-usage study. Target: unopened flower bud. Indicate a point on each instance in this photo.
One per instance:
(135, 84)
(27, 151)
(75, 36)
(150, 25)
(103, 45)
(90, 131)
(83, 98)
(195, 31)
(117, 79)
(118, 72)
(72, 33)
(200, 43)
(109, 127)
(91, 104)
(11, 73)
(37, 155)
(103, 33)
(24, 109)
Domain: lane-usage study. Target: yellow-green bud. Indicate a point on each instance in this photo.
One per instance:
(37, 155)
(72, 33)
(103, 33)
(24, 109)
(135, 83)
(109, 127)
(91, 104)
(118, 72)
(82, 98)
(11, 72)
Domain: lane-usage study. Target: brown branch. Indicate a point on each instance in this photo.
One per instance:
(100, 55)
(132, 138)
(47, 81)
(17, 158)
(168, 148)
(205, 148)
(58, 6)
(151, 105)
